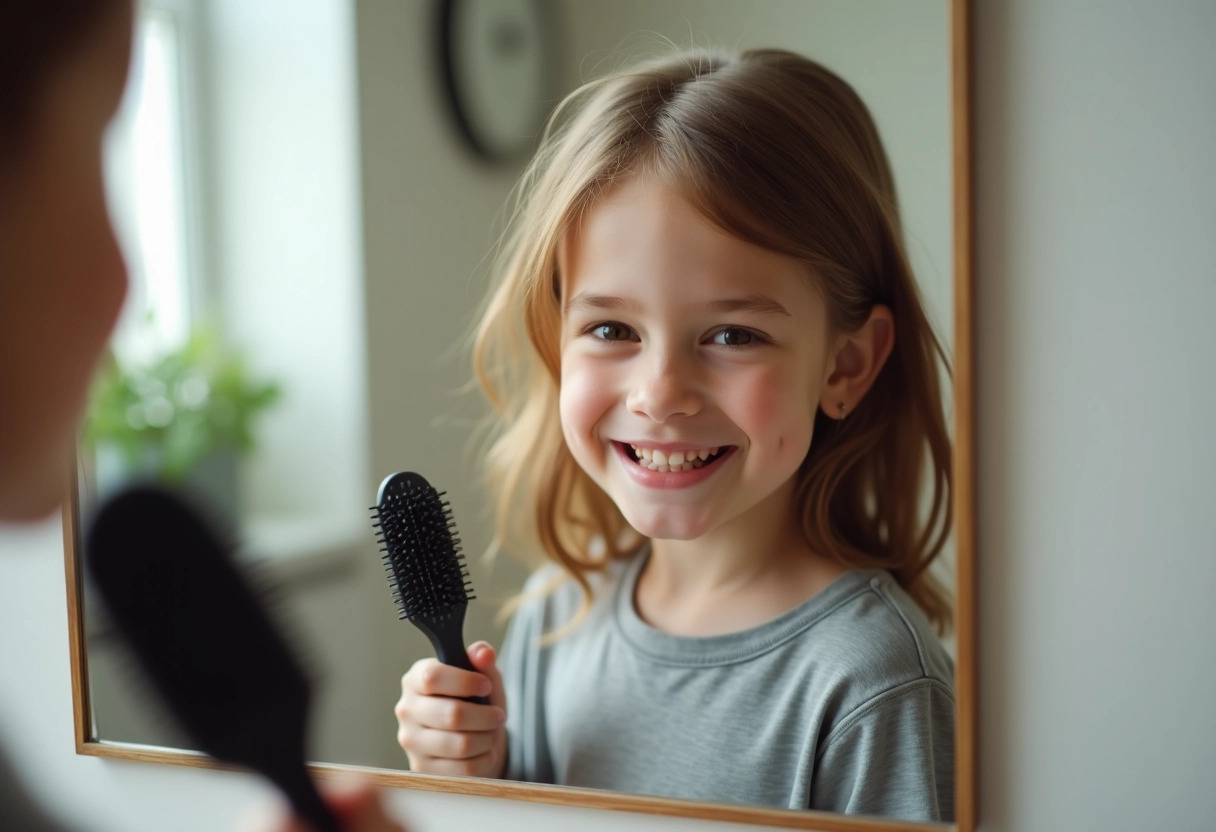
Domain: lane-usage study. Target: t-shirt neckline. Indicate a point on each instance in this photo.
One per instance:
(729, 648)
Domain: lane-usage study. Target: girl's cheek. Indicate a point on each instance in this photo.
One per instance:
(103, 283)
(585, 397)
(764, 398)
(775, 406)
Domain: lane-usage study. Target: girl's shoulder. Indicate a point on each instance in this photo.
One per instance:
(879, 633)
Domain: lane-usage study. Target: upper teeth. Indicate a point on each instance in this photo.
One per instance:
(673, 459)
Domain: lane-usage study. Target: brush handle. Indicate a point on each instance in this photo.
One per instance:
(447, 637)
(305, 800)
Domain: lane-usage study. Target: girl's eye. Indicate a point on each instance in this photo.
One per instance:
(612, 331)
(733, 336)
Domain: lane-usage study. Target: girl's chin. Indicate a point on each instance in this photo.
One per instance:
(667, 525)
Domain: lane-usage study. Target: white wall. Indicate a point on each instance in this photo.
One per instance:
(1097, 281)
(1096, 253)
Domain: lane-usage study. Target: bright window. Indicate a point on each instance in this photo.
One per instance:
(146, 169)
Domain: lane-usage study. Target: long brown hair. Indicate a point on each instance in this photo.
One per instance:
(34, 37)
(778, 151)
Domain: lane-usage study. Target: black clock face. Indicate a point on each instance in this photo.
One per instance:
(496, 61)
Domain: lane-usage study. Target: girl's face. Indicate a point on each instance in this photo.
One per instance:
(692, 365)
(62, 278)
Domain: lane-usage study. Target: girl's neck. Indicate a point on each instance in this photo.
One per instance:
(742, 574)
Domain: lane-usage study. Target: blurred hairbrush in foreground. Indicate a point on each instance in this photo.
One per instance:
(207, 646)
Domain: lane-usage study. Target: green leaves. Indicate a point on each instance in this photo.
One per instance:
(179, 409)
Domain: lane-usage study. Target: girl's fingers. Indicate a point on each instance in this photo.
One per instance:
(485, 765)
(450, 745)
(431, 678)
(360, 806)
(448, 714)
(485, 658)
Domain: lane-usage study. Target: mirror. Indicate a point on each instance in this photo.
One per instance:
(333, 222)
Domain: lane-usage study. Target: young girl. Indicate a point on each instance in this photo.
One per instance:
(720, 413)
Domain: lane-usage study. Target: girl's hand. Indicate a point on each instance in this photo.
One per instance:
(442, 734)
(357, 804)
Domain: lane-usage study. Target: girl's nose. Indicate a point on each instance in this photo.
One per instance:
(663, 389)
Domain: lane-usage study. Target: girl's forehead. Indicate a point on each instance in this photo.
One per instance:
(642, 231)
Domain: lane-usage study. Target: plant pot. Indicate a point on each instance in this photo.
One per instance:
(214, 481)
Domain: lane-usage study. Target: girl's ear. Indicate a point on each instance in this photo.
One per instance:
(859, 356)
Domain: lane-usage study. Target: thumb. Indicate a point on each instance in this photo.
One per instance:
(485, 658)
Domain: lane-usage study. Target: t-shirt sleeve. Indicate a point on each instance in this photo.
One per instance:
(521, 665)
(893, 756)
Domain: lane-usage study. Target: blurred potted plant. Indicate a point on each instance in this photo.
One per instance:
(184, 419)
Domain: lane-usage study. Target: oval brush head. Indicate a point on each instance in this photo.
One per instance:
(205, 643)
(424, 563)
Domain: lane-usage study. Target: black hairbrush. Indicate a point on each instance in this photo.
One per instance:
(424, 564)
(206, 645)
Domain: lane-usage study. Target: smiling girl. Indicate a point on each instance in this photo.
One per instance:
(720, 418)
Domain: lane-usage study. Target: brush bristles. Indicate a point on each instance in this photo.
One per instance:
(420, 549)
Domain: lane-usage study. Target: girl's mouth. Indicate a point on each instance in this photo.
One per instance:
(674, 461)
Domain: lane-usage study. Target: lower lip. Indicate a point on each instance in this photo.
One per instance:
(668, 479)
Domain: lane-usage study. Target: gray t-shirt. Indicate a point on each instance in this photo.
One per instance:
(843, 704)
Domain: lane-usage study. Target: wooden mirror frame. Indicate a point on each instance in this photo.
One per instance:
(965, 588)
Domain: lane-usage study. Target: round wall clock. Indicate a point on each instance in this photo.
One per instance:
(497, 60)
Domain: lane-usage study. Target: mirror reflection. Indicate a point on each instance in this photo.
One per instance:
(745, 463)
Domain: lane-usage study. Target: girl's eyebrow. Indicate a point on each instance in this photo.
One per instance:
(760, 304)
(588, 301)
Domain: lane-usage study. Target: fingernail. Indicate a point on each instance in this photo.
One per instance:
(485, 687)
(502, 717)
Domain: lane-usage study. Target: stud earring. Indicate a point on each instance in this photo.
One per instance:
(842, 409)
